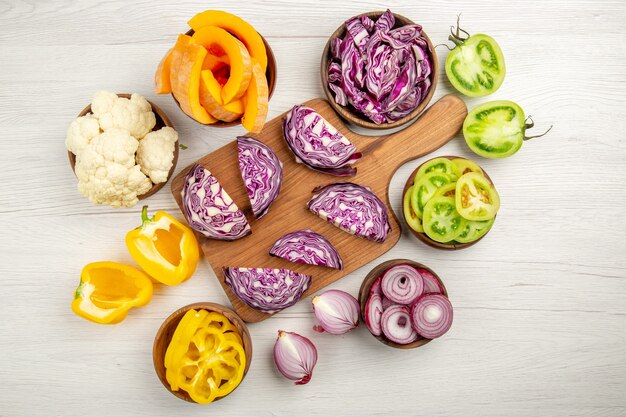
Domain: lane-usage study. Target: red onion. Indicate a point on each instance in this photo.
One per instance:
(386, 302)
(431, 315)
(431, 283)
(402, 284)
(295, 357)
(373, 313)
(337, 312)
(395, 324)
(375, 288)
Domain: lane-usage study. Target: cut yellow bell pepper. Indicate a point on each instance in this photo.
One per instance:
(107, 290)
(205, 357)
(165, 248)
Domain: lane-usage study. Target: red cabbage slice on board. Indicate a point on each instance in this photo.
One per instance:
(262, 173)
(318, 144)
(353, 208)
(266, 289)
(307, 247)
(209, 209)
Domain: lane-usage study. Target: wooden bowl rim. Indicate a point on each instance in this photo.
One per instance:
(160, 345)
(351, 116)
(364, 291)
(423, 236)
(271, 74)
(159, 114)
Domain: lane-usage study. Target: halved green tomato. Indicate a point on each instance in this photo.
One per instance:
(442, 222)
(411, 218)
(425, 187)
(447, 190)
(475, 197)
(475, 66)
(474, 230)
(443, 165)
(465, 165)
(495, 129)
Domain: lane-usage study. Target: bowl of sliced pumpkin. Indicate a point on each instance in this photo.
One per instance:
(221, 72)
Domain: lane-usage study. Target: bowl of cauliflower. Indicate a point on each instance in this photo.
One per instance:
(122, 149)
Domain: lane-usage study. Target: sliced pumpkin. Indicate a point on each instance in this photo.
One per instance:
(238, 56)
(212, 62)
(256, 100)
(162, 75)
(211, 99)
(187, 59)
(238, 27)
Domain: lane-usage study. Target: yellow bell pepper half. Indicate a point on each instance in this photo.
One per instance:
(165, 248)
(107, 290)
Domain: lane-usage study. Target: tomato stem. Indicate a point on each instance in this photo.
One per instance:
(538, 136)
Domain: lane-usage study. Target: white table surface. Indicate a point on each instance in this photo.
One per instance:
(540, 307)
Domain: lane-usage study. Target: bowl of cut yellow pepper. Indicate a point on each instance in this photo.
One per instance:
(202, 352)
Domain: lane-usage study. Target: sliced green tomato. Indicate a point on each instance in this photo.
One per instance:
(495, 129)
(442, 222)
(425, 187)
(447, 190)
(475, 197)
(474, 230)
(442, 165)
(411, 218)
(476, 67)
(465, 165)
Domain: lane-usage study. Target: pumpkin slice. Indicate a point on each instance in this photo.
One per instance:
(211, 99)
(256, 100)
(187, 59)
(162, 75)
(238, 56)
(212, 62)
(238, 27)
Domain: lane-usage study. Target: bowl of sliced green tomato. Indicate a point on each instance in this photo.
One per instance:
(450, 202)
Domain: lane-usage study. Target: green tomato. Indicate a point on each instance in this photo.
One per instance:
(475, 66)
(474, 230)
(424, 188)
(447, 190)
(465, 165)
(497, 129)
(442, 222)
(475, 197)
(411, 218)
(443, 165)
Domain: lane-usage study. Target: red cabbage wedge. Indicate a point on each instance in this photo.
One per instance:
(381, 72)
(318, 144)
(307, 247)
(353, 208)
(261, 171)
(209, 209)
(266, 289)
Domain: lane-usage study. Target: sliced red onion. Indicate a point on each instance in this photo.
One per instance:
(396, 325)
(295, 357)
(266, 289)
(402, 284)
(262, 173)
(375, 288)
(431, 283)
(432, 315)
(353, 208)
(318, 144)
(307, 247)
(209, 209)
(337, 311)
(373, 313)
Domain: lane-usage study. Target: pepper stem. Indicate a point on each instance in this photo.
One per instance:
(144, 216)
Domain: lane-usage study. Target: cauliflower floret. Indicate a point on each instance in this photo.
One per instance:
(106, 170)
(155, 154)
(134, 115)
(80, 133)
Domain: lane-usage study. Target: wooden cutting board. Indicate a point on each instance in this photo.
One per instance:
(382, 156)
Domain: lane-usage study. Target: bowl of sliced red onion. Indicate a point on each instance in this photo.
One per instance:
(404, 304)
(379, 70)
